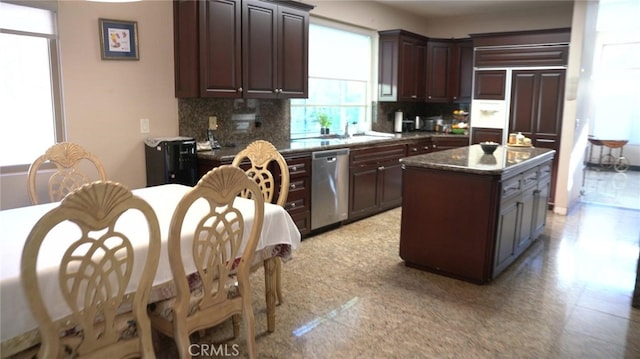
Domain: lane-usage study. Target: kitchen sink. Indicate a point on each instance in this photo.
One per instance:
(332, 140)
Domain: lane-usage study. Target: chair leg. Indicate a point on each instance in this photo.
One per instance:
(236, 325)
(250, 326)
(279, 279)
(182, 340)
(270, 295)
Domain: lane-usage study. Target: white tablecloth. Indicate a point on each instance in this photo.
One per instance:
(15, 224)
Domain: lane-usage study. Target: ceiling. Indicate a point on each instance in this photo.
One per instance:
(444, 8)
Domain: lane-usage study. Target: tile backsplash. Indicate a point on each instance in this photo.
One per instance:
(239, 120)
(244, 120)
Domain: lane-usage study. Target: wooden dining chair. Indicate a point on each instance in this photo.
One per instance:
(94, 273)
(222, 259)
(67, 157)
(261, 155)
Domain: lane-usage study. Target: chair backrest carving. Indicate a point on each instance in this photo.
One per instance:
(218, 251)
(261, 153)
(66, 157)
(94, 273)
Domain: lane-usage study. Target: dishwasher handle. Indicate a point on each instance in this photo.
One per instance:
(330, 155)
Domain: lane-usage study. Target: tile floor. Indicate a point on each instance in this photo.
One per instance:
(612, 188)
(349, 295)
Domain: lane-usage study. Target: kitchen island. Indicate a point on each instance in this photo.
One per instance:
(469, 215)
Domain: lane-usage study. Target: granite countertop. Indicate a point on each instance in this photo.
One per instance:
(327, 143)
(472, 159)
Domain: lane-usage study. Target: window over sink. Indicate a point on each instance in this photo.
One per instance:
(340, 80)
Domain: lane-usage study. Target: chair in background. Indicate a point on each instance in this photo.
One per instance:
(221, 288)
(94, 273)
(261, 154)
(67, 157)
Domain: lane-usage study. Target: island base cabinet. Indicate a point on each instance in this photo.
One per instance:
(448, 222)
(471, 226)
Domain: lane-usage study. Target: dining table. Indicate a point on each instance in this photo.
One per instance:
(19, 330)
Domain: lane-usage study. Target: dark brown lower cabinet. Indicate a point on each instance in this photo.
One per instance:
(375, 180)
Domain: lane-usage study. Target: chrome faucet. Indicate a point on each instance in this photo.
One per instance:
(212, 139)
(347, 133)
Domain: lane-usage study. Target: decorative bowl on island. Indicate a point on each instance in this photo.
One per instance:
(489, 147)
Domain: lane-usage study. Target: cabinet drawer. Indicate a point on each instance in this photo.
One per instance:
(418, 148)
(511, 187)
(372, 156)
(298, 185)
(302, 221)
(298, 168)
(530, 178)
(296, 204)
(545, 171)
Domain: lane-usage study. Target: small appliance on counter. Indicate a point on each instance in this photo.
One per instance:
(408, 126)
(397, 122)
(171, 160)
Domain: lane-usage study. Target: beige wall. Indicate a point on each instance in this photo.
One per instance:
(376, 16)
(577, 107)
(104, 100)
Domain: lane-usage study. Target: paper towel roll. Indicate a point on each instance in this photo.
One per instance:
(397, 123)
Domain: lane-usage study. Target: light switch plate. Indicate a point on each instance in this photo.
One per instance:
(144, 125)
(213, 122)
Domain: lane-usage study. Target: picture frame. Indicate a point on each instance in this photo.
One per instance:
(118, 39)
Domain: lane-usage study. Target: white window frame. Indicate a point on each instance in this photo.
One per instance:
(58, 127)
(371, 95)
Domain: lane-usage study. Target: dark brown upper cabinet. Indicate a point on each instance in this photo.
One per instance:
(490, 84)
(449, 70)
(439, 68)
(549, 47)
(462, 75)
(234, 48)
(402, 70)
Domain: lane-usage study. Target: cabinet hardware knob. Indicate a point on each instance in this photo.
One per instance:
(414, 96)
(294, 168)
(240, 89)
(414, 149)
(293, 186)
(381, 168)
(293, 204)
(429, 97)
(455, 97)
(426, 148)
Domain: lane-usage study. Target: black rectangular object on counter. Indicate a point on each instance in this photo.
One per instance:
(171, 160)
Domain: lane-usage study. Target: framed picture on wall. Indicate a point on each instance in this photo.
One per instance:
(118, 39)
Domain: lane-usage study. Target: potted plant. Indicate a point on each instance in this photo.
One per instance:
(325, 123)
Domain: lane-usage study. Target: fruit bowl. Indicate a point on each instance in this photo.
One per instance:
(461, 117)
(488, 147)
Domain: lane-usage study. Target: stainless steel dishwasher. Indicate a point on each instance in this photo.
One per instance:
(329, 187)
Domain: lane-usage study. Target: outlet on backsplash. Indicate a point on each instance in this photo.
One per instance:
(213, 122)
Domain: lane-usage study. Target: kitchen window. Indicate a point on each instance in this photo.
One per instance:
(340, 80)
(30, 92)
